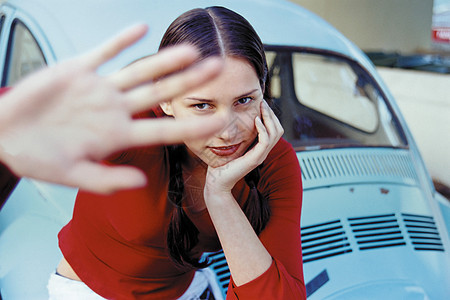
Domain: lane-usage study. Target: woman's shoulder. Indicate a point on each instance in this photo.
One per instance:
(280, 174)
(282, 160)
(282, 149)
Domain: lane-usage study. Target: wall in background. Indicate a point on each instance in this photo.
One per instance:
(400, 25)
(424, 100)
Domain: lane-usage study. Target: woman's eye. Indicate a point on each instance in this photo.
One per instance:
(202, 106)
(244, 100)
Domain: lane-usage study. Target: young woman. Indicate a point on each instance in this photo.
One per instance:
(239, 190)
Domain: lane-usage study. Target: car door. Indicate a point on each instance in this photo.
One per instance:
(31, 212)
(21, 55)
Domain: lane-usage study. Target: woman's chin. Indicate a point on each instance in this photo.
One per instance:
(219, 162)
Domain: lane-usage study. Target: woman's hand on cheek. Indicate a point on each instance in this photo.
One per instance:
(223, 178)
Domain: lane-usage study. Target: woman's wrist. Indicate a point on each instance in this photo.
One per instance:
(215, 185)
(216, 193)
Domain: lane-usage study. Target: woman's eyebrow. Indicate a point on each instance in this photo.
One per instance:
(246, 94)
(212, 100)
(198, 99)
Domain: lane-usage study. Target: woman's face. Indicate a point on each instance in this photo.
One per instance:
(234, 95)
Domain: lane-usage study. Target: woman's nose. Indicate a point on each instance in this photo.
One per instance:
(237, 125)
(232, 130)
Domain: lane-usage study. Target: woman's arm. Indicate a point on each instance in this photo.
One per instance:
(246, 256)
(281, 184)
(260, 265)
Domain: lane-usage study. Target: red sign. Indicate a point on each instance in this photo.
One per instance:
(441, 34)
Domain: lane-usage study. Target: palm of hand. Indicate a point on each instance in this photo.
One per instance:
(61, 121)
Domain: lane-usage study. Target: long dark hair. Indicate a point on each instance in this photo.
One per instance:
(214, 31)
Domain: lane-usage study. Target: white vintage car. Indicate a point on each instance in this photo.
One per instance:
(373, 226)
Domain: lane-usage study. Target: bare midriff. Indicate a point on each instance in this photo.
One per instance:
(64, 269)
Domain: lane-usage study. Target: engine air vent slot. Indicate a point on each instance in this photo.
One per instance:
(324, 240)
(337, 166)
(220, 268)
(423, 232)
(373, 232)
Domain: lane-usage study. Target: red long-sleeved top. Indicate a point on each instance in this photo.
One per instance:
(117, 243)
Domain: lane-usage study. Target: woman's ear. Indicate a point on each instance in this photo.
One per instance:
(167, 108)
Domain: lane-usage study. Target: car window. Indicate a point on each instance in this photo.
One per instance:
(2, 20)
(275, 84)
(326, 100)
(331, 87)
(24, 54)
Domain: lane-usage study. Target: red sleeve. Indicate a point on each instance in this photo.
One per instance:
(281, 184)
(4, 90)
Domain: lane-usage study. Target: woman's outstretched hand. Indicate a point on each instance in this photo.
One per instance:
(57, 124)
(223, 178)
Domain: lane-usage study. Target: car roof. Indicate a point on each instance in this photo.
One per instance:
(75, 26)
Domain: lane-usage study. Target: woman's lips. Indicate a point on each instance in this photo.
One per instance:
(225, 151)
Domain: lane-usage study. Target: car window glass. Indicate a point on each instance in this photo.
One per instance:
(24, 54)
(275, 83)
(2, 20)
(332, 88)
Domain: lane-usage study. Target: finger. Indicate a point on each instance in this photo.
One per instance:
(271, 121)
(263, 135)
(155, 66)
(114, 46)
(255, 156)
(171, 131)
(150, 95)
(98, 178)
(267, 117)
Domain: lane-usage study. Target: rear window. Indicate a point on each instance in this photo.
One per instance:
(330, 87)
(325, 100)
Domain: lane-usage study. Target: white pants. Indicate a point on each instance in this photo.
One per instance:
(62, 288)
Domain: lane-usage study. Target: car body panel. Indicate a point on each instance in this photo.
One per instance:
(367, 225)
(36, 211)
